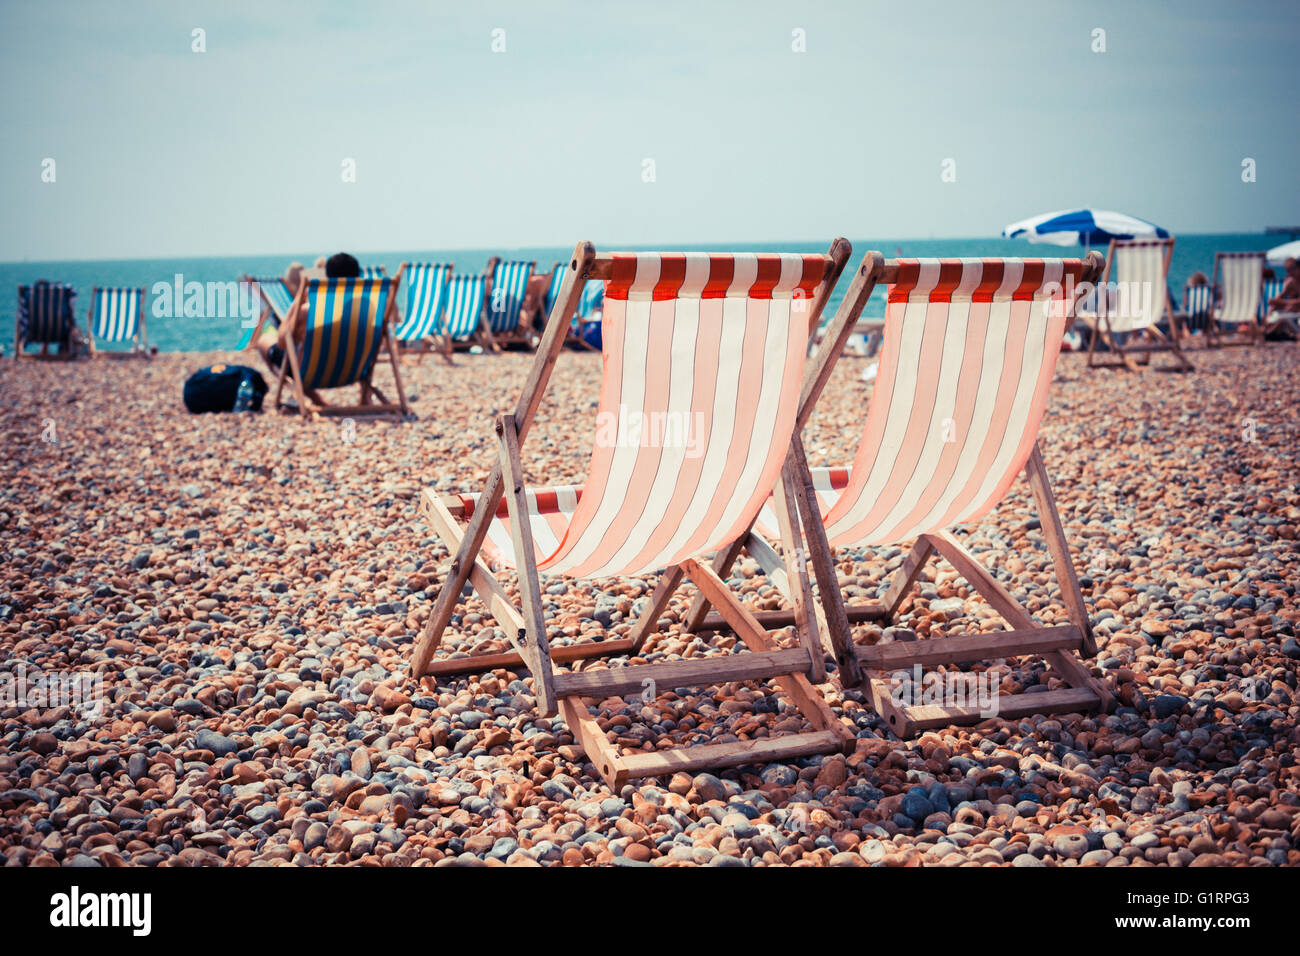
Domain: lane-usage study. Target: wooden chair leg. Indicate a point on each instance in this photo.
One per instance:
(722, 564)
(807, 627)
(397, 375)
(648, 622)
(834, 615)
(536, 649)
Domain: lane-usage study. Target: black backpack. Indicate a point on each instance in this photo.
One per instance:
(214, 389)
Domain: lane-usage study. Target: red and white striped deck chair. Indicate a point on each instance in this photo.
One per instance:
(1132, 302)
(970, 347)
(703, 361)
(1239, 282)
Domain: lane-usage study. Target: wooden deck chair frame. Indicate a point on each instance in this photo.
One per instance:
(857, 664)
(290, 369)
(795, 670)
(67, 350)
(139, 348)
(1219, 334)
(1144, 341)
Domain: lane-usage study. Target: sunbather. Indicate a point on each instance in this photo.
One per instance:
(1287, 303)
(273, 342)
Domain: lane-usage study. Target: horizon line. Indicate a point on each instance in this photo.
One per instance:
(631, 245)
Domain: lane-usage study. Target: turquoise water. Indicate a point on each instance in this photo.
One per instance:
(1191, 252)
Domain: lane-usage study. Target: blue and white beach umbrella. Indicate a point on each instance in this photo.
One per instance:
(1084, 227)
(1280, 254)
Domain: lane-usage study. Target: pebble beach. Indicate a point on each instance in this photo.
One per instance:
(247, 589)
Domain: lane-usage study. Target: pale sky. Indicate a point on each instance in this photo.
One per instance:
(161, 151)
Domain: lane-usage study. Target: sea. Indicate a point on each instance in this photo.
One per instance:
(201, 334)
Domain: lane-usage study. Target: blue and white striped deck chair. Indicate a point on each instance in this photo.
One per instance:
(46, 315)
(117, 315)
(426, 294)
(1198, 301)
(584, 330)
(509, 284)
(276, 300)
(373, 272)
(462, 318)
(553, 290)
(1272, 288)
(344, 325)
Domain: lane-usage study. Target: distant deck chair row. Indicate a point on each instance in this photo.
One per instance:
(709, 353)
(46, 316)
(584, 330)
(445, 310)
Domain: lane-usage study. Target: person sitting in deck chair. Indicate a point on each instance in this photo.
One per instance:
(273, 343)
(1287, 302)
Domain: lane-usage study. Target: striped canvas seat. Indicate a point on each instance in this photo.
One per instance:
(553, 289)
(276, 294)
(969, 350)
(116, 314)
(344, 321)
(426, 287)
(272, 291)
(1138, 269)
(1198, 300)
(703, 357)
(1240, 279)
(373, 272)
(46, 312)
(1272, 289)
(828, 484)
(593, 297)
(464, 307)
(509, 283)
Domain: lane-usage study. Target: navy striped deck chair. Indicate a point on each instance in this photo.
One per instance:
(426, 296)
(505, 299)
(46, 316)
(345, 324)
(117, 316)
(1198, 301)
(373, 272)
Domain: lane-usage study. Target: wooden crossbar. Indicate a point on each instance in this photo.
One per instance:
(969, 647)
(695, 672)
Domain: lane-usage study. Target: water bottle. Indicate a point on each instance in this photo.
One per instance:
(244, 397)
